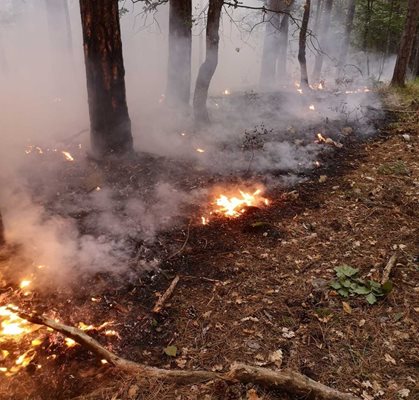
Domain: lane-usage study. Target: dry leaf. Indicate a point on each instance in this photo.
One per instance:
(346, 307)
(252, 395)
(389, 359)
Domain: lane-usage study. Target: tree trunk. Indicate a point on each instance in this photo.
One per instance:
(302, 45)
(2, 239)
(414, 57)
(180, 51)
(323, 40)
(58, 18)
(281, 65)
(110, 125)
(275, 43)
(208, 67)
(347, 36)
(406, 43)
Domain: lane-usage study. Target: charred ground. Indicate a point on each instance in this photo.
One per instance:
(251, 286)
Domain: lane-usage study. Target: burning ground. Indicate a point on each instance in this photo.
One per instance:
(253, 288)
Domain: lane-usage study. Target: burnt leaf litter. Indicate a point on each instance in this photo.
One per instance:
(294, 285)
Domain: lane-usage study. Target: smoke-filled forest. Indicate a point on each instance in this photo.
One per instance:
(209, 199)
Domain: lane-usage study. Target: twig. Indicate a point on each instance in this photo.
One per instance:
(286, 380)
(162, 299)
(184, 244)
(387, 269)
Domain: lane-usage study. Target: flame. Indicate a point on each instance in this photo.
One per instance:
(236, 205)
(24, 283)
(70, 342)
(321, 138)
(12, 326)
(67, 155)
(311, 107)
(226, 92)
(199, 150)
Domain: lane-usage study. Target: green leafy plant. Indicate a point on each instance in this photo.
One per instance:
(348, 283)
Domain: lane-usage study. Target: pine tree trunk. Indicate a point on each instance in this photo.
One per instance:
(207, 69)
(414, 57)
(110, 125)
(180, 51)
(302, 45)
(346, 39)
(325, 24)
(2, 239)
(406, 43)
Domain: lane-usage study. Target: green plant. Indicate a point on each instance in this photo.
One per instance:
(348, 283)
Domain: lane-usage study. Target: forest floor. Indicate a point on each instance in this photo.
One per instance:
(257, 289)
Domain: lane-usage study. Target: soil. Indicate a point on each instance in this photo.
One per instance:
(257, 290)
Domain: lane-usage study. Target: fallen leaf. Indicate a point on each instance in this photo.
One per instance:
(276, 357)
(252, 395)
(403, 393)
(346, 307)
(361, 323)
(389, 359)
(171, 351)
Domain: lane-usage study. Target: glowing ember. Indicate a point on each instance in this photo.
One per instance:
(24, 283)
(70, 342)
(321, 138)
(204, 220)
(67, 156)
(199, 150)
(226, 92)
(311, 107)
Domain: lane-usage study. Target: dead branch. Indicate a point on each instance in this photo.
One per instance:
(160, 302)
(286, 380)
(387, 269)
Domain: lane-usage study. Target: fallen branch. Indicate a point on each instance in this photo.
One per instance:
(162, 299)
(286, 380)
(388, 268)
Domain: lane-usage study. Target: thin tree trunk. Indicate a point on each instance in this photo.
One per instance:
(366, 33)
(414, 57)
(271, 45)
(2, 238)
(323, 40)
(317, 19)
(281, 65)
(347, 37)
(180, 52)
(406, 43)
(208, 67)
(110, 124)
(388, 39)
(302, 45)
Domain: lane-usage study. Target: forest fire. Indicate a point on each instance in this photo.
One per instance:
(234, 206)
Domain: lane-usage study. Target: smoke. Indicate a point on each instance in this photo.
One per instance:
(75, 216)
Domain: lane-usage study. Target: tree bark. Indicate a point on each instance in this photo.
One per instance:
(180, 52)
(414, 57)
(110, 125)
(2, 239)
(323, 40)
(406, 43)
(347, 36)
(302, 45)
(281, 65)
(208, 67)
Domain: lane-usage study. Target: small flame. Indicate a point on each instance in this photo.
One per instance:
(321, 138)
(24, 283)
(204, 220)
(226, 92)
(199, 150)
(67, 156)
(70, 342)
(311, 107)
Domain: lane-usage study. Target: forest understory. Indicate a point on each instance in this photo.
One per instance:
(256, 289)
